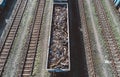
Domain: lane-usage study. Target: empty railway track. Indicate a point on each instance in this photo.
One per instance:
(109, 37)
(6, 46)
(88, 49)
(28, 62)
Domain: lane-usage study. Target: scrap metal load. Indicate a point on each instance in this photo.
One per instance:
(59, 51)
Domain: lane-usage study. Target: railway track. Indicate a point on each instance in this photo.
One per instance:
(108, 35)
(6, 46)
(28, 62)
(88, 49)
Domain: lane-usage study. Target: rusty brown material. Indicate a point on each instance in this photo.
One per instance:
(58, 57)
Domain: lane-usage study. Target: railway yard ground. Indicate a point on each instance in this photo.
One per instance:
(94, 34)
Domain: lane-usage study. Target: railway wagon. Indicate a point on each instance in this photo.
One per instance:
(60, 0)
(58, 56)
(117, 4)
(2, 5)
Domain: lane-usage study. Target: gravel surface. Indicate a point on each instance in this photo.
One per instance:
(98, 43)
(113, 19)
(113, 15)
(41, 56)
(102, 64)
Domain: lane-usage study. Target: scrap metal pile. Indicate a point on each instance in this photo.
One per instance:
(58, 52)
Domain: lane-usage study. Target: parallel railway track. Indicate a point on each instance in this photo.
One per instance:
(88, 49)
(108, 35)
(28, 62)
(6, 46)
